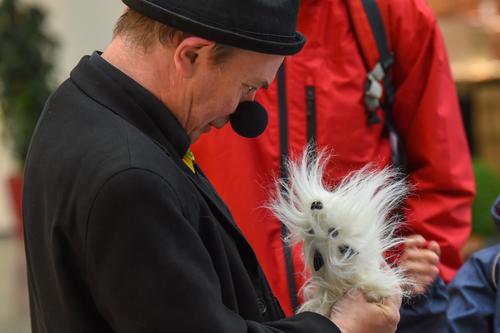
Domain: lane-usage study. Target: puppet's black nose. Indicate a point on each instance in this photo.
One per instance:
(318, 261)
(316, 205)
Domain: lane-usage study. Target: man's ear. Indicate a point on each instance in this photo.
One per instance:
(190, 53)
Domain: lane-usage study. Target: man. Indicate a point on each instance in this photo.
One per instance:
(123, 231)
(320, 97)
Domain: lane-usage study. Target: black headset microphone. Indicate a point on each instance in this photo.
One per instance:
(249, 120)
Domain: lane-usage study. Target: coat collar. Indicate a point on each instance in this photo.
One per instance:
(125, 97)
(108, 86)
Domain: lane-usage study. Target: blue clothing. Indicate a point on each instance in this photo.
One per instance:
(425, 313)
(495, 213)
(473, 295)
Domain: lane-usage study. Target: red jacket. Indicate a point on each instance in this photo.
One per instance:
(426, 114)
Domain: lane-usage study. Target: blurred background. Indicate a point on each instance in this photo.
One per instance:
(42, 40)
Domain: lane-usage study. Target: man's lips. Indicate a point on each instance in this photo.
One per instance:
(219, 123)
(216, 124)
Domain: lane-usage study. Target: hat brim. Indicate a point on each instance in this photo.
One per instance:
(279, 45)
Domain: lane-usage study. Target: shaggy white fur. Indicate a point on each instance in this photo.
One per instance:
(344, 230)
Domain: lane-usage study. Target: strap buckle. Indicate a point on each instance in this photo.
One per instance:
(374, 90)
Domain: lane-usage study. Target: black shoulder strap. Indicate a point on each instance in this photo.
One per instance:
(381, 72)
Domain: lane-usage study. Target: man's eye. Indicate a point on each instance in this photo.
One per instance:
(249, 89)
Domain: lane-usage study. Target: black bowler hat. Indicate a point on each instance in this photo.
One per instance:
(265, 26)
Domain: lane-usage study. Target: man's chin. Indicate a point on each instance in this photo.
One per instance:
(219, 123)
(194, 136)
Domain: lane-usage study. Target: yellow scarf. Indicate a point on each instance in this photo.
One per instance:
(188, 159)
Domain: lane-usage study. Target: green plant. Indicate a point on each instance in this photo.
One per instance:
(26, 53)
(488, 188)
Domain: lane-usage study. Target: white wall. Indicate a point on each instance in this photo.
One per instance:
(7, 168)
(81, 26)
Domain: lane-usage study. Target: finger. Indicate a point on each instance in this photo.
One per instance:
(420, 280)
(423, 280)
(418, 283)
(422, 268)
(420, 255)
(434, 247)
(415, 289)
(426, 258)
(421, 273)
(415, 241)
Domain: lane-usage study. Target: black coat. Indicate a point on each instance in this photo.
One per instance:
(120, 235)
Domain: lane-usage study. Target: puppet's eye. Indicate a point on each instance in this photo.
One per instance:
(310, 232)
(333, 233)
(347, 251)
(343, 249)
(316, 205)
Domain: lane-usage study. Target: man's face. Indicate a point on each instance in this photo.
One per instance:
(219, 88)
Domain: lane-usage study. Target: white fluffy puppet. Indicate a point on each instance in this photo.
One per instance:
(344, 230)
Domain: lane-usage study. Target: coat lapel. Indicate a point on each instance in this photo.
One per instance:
(226, 219)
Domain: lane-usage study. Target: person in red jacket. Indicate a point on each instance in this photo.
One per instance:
(320, 96)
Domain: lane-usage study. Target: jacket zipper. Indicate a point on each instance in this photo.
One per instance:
(283, 124)
(311, 116)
